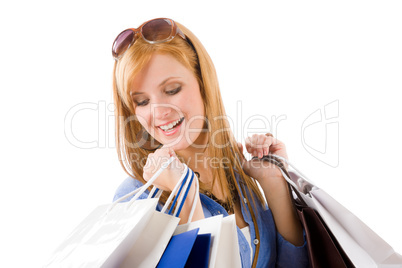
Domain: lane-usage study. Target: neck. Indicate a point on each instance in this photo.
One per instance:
(196, 157)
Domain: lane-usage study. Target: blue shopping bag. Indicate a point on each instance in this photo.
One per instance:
(199, 256)
(178, 250)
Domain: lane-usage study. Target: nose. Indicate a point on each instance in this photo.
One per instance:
(161, 111)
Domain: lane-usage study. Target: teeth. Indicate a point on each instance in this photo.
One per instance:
(169, 126)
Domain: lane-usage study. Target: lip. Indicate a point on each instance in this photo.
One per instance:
(174, 131)
(169, 122)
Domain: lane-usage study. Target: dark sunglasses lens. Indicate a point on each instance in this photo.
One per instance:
(157, 30)
(122, 42)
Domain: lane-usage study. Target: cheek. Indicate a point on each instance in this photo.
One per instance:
(183, 105)
(195, 112)
(198, 105)
(192, 102)
(143, 118)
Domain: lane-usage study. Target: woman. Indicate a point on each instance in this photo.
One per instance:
(169, 104)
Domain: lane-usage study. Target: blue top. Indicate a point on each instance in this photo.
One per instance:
(274, 251)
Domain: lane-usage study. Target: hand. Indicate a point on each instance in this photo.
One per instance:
(273, 185)
(260, 145)
(168, 179)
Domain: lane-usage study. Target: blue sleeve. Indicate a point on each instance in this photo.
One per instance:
(288, 255)
(127, 186)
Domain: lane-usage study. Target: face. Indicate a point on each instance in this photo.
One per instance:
(168, 103)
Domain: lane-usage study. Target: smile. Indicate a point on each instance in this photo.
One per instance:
(169, 127)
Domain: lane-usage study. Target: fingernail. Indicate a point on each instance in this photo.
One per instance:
(259, 155)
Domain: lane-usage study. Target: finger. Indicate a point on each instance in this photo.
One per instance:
(251, 145)
(275, 144)
(248, 145)
(251, 149)
(254, 140)
(171, 152)
(147, 163)
(257, 145)
(160, 157)
(162, 152)
(260, 145)
(254, 144)
(266, 145)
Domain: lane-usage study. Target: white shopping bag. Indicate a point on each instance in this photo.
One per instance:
(211, 225)
(224, 251)
(361, 244)
(228, 255)
(105, 238)
(150, 246)
(102, 238)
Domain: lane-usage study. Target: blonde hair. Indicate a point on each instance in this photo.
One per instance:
(194, 57)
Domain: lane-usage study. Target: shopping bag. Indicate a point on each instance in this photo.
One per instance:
(178, 250)
(228, 249)
(150, 246)
(224, 248)
(324, 249)
(362, 245)
(193, 256)
(206, 250)
(187, 250)
(199, 255)
(105, 237)
(211, 225)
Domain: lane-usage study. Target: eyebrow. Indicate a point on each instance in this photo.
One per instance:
(160, 85)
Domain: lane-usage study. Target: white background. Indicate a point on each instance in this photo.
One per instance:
(279, 59)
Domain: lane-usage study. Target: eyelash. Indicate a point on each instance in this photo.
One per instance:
(171, 92)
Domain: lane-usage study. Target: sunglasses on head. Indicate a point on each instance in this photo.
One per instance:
(153, 31)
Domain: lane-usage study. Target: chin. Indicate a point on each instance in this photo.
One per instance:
(182, 144)
(178, 146)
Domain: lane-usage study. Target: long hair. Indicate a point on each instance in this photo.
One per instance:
(193, 56)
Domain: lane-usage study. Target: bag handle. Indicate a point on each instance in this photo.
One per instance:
(142, 189)
(155, 192)
(302, 183)
(180, 184)
(298, 172)
(182, 199)
(183, 183)
(184, 196)
(197, 194)
(275, 159)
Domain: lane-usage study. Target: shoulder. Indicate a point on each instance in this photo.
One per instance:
(127, 186)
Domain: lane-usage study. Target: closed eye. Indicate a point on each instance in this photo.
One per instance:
(142, 103)
(174, 91)
(170, 92)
